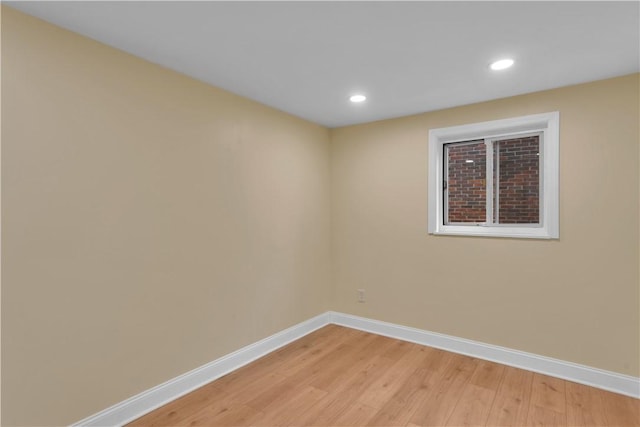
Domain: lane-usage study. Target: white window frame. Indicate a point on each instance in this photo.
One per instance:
(548, 125)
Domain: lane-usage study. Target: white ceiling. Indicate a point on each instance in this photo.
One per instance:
(306, 58)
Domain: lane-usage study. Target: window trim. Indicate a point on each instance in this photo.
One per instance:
(548, 124)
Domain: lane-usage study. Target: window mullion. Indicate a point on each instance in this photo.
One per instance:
(489, 180)
(445, 184)
(497, 183)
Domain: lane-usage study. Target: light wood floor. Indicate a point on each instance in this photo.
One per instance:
(342, 377)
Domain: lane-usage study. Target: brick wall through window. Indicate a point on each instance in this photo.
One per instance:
(516, 181)
(466, 182)
(519, 180)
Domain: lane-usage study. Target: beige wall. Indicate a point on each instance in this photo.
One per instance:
(575, 299)
(151, 223)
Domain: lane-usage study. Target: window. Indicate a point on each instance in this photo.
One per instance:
(496, 178)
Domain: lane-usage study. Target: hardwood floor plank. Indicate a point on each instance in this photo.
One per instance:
(274, 395)
(473, 406)
(330, 367)
(545, 417)
(338, 376)
(584, 406)
(621, 410)
(445, 389)
(316, 352)
(182, 408)
(205, 414)
(334, 373)
(511, 404)
(549, 393)
(383, 388)
(547, 406)
(403, 404)
(288, 411)
(233, 415)
(487, 375)
(327, 411)
(355, 415)
(436, 360)
(397, 349)
(246, 392)
(328, 337)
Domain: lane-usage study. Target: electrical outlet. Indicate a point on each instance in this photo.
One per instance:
(360, 295)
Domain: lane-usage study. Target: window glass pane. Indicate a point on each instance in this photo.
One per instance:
(516, 175)
(466, 195)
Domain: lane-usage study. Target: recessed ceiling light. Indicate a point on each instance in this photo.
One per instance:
(357, 98)
(502, 64)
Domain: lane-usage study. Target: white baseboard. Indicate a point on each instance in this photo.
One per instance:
(606, 380)
(145, 402)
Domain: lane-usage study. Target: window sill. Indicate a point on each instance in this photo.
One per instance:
(483, 231)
